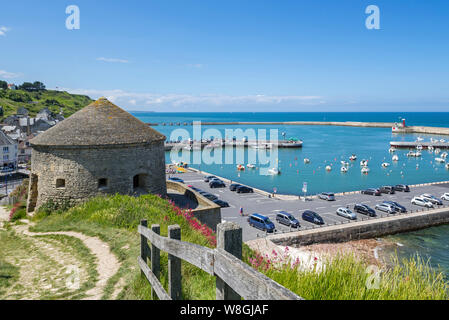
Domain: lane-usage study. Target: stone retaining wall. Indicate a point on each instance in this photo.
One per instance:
(371, 228)
(207, 212)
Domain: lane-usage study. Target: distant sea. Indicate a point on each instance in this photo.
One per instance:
(329, 145)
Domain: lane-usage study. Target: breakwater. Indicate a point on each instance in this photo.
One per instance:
(408, 129)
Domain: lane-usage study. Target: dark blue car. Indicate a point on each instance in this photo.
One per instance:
(176, 179)
(312, 217)
(261, 222)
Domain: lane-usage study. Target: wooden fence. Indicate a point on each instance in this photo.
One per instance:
(234, 278)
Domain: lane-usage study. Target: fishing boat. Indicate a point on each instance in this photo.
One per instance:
(437, 151)
(419, 139)
(240, 167)
(365, 170)
(431, 148)
(344, 169)
(353, 157)
(419, 147)
(344, 163)
(306, 160)
(447, 166)
(414, 154)
(392, 149)
(364, 163)
(385, 164)
(444, 155)
(440, 160)
(395, 158)
(274, 171)
(328, 168)
(250, 166)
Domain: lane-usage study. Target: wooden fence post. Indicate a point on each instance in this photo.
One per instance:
(155, 257)
(174, 266)
(229, 238)
(143, 245)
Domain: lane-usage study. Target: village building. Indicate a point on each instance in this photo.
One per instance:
(8, 152)
(99, 150)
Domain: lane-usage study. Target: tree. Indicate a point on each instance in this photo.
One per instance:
(3, 85)
(39, 86)
(36, 86)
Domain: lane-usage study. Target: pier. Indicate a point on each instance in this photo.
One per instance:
(198, 145)
(415, 144)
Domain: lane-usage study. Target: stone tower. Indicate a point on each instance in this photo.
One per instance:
(99, 150)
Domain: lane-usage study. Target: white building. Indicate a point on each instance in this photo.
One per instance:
(8, 151)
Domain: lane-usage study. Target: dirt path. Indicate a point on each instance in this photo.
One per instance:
(107, 264)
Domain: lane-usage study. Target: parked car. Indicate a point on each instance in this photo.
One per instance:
(208, 178)
(312, 217)
(346, 213)
(221, 203)
(261, 222)
(216, 184)
(422, 202)
(385, 207)
(244, 189)
(364, 209)
(371, 191)
(287, 219)
(194, 188)
(402, 188)
(445, 196)
(327, 196)
(176, 179)
(397, 206)
(234, 186)
(432, 199)
(387, 189)
(208, 195)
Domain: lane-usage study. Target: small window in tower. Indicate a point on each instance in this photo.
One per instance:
(60, 183)
(102, 183)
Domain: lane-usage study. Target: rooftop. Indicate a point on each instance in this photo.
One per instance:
(100, 123)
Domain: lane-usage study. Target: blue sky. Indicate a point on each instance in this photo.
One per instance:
(211, 55)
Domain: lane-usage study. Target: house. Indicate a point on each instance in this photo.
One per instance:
(12, 86)
(8, 151)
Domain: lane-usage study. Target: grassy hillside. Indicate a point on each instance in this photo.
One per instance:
(11, 100)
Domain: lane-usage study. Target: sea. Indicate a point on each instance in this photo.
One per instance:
(324, 146)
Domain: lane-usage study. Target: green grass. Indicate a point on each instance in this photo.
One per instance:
(114, 219)
(11, 100)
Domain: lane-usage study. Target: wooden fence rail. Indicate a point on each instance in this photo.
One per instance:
(234, 278)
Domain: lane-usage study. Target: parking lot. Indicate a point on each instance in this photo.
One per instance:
(258, 203)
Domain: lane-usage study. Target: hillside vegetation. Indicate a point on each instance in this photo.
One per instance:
(34, 101)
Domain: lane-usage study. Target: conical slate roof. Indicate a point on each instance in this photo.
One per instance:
(100, 123)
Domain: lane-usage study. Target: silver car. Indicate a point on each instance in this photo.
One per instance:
(346, 213)
(445, 196)
(423, 202)
(327, 196)
(386, 207)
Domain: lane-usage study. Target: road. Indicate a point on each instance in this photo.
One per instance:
(258, 203)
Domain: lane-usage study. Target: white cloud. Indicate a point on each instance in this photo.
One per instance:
(205, 102)
(3, 30)
(112, 60)
(9, 75)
